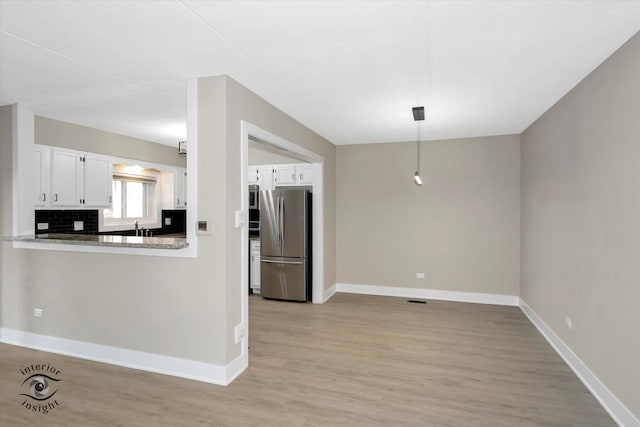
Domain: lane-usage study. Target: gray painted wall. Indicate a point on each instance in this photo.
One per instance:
(242, 104)
(82, 138)
(180, 307)
(581, 221)
(461, 228)
(263, 156)
(167, 306)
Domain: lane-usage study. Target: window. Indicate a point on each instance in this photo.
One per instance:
(136, 198)
(130, 198)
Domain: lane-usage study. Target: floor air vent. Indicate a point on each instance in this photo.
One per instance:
(416, 301)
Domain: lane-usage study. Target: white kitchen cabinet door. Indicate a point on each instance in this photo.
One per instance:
(42, 176)
(285, 175)
(253, 175)
(305, 174)
(255, 266)
(66, 179)
(98, 176)
(181, 188)
(266, 177)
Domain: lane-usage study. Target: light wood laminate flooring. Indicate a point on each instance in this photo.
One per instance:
(354, 361)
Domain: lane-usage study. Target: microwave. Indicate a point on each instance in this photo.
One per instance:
(254, 196)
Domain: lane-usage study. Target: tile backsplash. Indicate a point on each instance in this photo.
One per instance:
(178, 220)
(62, 221)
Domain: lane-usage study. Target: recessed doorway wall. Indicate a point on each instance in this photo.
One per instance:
(276, 144)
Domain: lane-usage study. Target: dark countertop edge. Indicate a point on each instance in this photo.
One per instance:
(33, 239)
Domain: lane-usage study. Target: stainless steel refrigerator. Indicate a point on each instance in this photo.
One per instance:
(285, 250)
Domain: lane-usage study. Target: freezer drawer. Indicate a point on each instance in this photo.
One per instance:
(283, 278)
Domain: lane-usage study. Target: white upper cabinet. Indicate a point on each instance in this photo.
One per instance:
(71, 179)
(98, 176)
(265, 174)
(284, 174)
(42, 173)
(181, 188)
(66, 179)
(253, 175)
(305, 173)
(270, 176)
(262, 176)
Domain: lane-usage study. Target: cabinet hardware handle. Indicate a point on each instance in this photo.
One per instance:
(44, 197)
(178, 201)
(56, 196)
(293, 177)
(110, 199)
(300, 177)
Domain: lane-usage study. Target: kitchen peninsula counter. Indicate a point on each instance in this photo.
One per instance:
(106, 240)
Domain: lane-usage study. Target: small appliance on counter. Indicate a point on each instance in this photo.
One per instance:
(285, 252)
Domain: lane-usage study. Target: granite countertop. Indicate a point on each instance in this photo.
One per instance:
(105, 240)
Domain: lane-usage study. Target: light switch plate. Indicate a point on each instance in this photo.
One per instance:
(167, 221)
(78, 225)
(239, 219)
(43, 226)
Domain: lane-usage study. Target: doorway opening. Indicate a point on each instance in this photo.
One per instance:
(260, 139)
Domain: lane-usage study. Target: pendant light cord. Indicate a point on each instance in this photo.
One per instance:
(418, 149)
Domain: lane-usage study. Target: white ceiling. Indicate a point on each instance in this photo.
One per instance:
(349, 70)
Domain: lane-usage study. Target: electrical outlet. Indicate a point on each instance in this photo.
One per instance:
(78, 225)
(569, 323)
(167, 221)
(240, 332)
(38, 312)
(43, 226)
(419, 275)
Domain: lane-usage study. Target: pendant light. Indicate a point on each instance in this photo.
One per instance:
(418, 116)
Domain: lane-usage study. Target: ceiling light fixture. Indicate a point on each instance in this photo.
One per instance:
(418, 116)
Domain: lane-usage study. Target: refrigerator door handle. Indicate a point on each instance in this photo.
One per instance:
(282, 219)
(281, 222)
(268, 261)
(276, 215)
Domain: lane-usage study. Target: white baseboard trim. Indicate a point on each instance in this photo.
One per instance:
(167, 365)
(608, 400)
(328, 293)
(435, 294)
